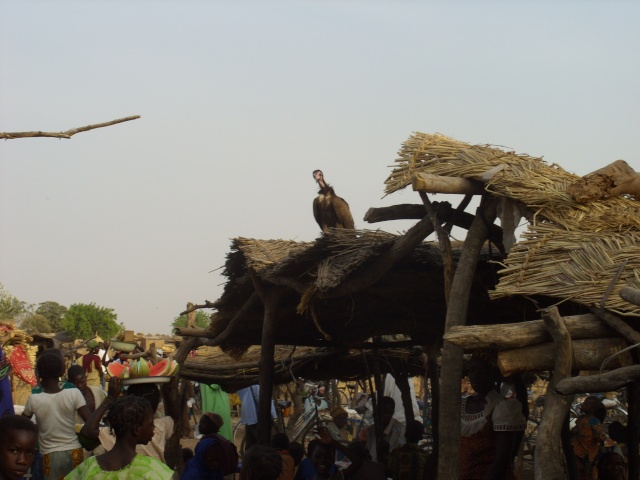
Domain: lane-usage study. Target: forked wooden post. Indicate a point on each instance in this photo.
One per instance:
(270, 296)
(451, 373)
(549, 461)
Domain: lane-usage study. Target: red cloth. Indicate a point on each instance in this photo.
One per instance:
(89, 360)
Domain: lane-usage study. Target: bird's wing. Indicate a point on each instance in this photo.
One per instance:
(317, 214)
(343, 213)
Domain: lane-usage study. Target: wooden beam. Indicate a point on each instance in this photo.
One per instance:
(603, 382)
(549, 460)
(619, 325)
(588, 354)
(65, 134)
(193, 332)
(452, 362)
(444, 212)
(429, 183)
(631, 295)
(524, 334)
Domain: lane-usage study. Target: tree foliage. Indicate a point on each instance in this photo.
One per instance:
(83, 321)
(54, 313)
(10, 306)
(34, 322)
(202, 320)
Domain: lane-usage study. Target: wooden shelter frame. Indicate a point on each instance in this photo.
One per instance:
(454, 171)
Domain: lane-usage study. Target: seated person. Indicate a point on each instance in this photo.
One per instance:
(408, 461)
(280, 442)
(392, 431)
(261, 462)
(324, 454)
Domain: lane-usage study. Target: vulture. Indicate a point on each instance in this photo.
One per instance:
(330, 210)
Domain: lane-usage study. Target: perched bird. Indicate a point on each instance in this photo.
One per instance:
(330, 210)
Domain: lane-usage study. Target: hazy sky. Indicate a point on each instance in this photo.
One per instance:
(241, 101)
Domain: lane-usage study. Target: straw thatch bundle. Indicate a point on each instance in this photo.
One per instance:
(573, 265)
(530, 180)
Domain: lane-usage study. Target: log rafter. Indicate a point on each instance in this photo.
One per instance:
(66, 134)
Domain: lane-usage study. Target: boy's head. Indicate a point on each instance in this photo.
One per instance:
(261, 462)
(280, 441)
(590, 405)
(76, 375)
(18, 437)
(413, 433)
(323, 457)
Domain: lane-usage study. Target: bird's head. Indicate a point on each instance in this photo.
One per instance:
(318, 176)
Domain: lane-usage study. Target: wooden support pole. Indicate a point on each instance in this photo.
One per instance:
(605, 382)
(549, 461)
(524, 334)
(173, 449)
(402, 382)
(270, 297)
(452, 361)
(634, 429)
(433, 352)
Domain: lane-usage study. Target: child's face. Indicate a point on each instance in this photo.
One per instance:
(322, 458)
(16, 454)
(589, 406)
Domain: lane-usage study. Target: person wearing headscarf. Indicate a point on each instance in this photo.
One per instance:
(336, 426)
(489, 425)
(205, 463)
(92, 365)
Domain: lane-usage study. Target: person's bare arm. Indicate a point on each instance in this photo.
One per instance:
(91, 427)
(351, 454)
(171, 406)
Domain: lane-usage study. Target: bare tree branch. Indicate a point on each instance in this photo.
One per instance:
(67, 134)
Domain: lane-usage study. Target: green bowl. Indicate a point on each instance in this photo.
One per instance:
(119, 346)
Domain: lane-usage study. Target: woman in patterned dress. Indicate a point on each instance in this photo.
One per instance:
(489, 426)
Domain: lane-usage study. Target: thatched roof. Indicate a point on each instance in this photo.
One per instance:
(408, 299)
(571, 250)
(212, 365)
(529, 180)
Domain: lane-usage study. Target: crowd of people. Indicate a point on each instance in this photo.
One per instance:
(72, 430)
